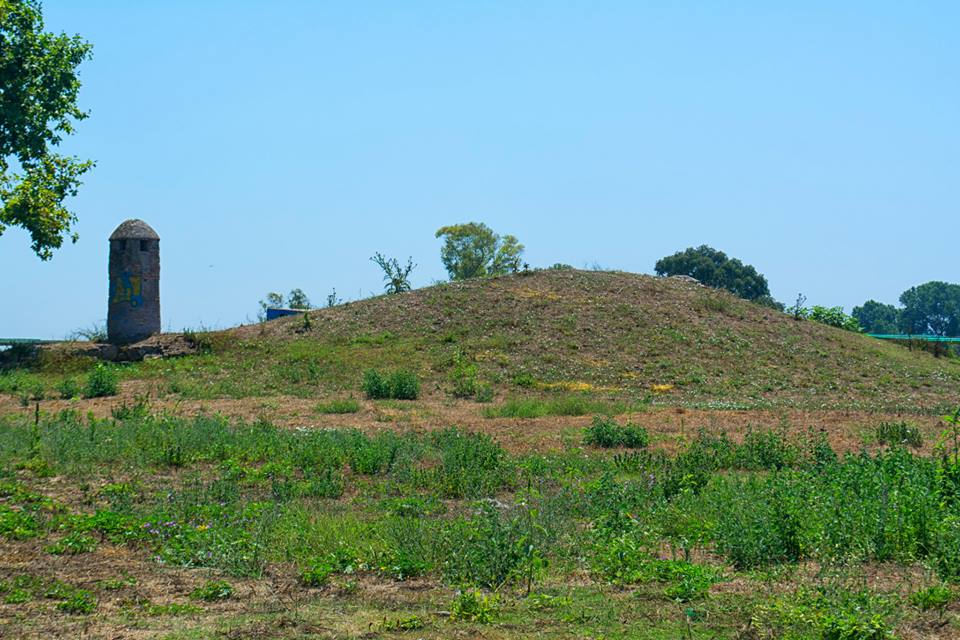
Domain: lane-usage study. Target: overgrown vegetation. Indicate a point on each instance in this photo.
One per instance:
(102, 381)
(397, 385)
(586, 523)
(606, 432)
(454, 507)
(832, 317)
(899, 433)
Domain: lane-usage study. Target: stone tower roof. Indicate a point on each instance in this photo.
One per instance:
(134, 229)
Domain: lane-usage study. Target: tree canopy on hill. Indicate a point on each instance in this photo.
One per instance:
(473, 250)
(933, 307)
(38, 106)
(714, 269)
(877, 317)
(929, 308)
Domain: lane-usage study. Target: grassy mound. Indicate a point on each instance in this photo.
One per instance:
(620, 334)
(623, 336)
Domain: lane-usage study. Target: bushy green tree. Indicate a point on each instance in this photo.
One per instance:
(877, 317)
(834, 317)
(933, 307)
(38, 106)
(473, 250)
(297, 299)
(714, 269)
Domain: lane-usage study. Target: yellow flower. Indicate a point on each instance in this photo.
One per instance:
(661, 388)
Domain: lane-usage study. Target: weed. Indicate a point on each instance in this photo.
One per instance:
(606, 432)
(171, 609)
(339, 406)
(712, 303)
(524, 381)
(119, 495)
(547, 602)
(829, 615)
(455, 505)
(464, 377)
(471, 465)
(212, 591)
(72, 544)
(18, 524)
(690, 581)
(484, 393)
(899, 433)
(403, 623)
(116, 584)
(317, 573)
(17, 596)
(412, 507)
(473, 606)
(68, 388)
(137, 411)
(399, 385)
(375, 385)
(96, 332)
(404, 386)
(78, 601)
(199, 339)
(765, 450)
(491, 548)
(567, 405)
(934, 598)
(102, 381)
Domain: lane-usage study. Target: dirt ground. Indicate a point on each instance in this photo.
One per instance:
(124, 612)
(276, 605)
(668, 425)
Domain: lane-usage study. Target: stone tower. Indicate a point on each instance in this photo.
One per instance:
(133, 312)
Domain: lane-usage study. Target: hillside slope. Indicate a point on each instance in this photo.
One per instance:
(605, 332)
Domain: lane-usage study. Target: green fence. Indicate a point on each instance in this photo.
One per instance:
(921, 338)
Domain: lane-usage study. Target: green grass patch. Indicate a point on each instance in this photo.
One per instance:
(212, 591)
(338, 406)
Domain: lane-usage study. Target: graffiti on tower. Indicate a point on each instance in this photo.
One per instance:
(126, 288)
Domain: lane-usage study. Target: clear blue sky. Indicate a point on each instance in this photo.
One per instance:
(280, 144)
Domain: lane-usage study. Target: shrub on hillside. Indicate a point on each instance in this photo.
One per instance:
(101, 382)
(404, 385)
(832, 316)
(899, 433)
(399, 385)
(68, 388)
(606, 432)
